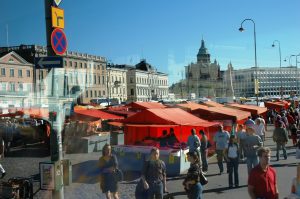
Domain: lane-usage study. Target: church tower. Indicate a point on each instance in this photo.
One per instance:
(203, 56)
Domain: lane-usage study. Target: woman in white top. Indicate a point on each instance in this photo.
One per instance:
(232, 156)
(260, 128)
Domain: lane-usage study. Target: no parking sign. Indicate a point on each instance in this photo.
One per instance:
(58, 41)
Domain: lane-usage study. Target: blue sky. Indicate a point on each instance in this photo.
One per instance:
(167, 33)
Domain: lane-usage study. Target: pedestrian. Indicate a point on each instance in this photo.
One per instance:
(221, 139)
(191, 182)
(294, 130)
(251, 143)
(108, 164)
(296, 183)
(280, 136)
(193, 141)
(194, 144)
(262, 182)
(241, 135)
(232, 157)
(260, 129)
(154, 175)
(204, 150)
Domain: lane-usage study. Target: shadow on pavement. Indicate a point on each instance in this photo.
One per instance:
(285, 165)
(36, 151)
(222, 189)
(85, 172)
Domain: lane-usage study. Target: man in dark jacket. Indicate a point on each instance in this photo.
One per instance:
(280, 136)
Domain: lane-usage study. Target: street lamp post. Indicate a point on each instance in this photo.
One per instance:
(297, 76)
(280, 74)
(241, 29)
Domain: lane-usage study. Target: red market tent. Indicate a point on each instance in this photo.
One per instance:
(151, 123)
(212, 104)
(254, 110)
(277, 105)
(137, 106)
(93, 114)
(221, 114)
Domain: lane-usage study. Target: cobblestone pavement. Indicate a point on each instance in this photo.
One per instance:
(25, 163)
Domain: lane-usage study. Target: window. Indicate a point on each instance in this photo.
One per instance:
(98, 67)
(3, 86)
(12, 87)
(28, 73)
(95, 79)
(80, 65)
(112, 79)
(85, 65)
(99, 93)
(95, 93)
(86, 93)
(20, 86)
(91, 93)
(12, 73)
(20, 73)
(70, 63)
(103, 80)
(102, 67)
(3, 71)
(103, 93)
(131, 80)
(131, 91)
(99, 80)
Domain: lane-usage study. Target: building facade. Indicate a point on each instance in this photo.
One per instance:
(117, 82)
(83, 75)
(144, 83)
(203, 77)
(272, 81)
(16, 81)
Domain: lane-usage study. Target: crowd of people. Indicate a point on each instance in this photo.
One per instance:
(245, 144)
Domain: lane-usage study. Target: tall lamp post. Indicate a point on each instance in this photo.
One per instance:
(297, 74)
(241, 29)
(280, 73)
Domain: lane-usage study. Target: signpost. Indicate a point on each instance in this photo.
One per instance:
(57, 17)
(58, 41)
(48, 62)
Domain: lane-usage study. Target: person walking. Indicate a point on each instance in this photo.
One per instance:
(232, 157)
(108, 164)
(221, 140)
(280, 136)
(260, 129)
(191, 182)
(204, 150)
(2, 170)
(194, 144)
(241, 135)
(154, 176)
(262, 182)
(251, 143)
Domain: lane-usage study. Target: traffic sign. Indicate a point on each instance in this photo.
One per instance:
(58, 41)
(57, 18)
(57, 2)
(48, 62)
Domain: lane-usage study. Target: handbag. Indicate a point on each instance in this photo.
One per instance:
(203, 179)
(118, 175)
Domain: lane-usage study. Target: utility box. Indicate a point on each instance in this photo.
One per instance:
(67, 171)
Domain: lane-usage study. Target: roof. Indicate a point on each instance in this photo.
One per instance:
(212, 104)
(145, 105)
(221, 113)
(167, 116)
(88, 114)
(190, 106)
(251, 108)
